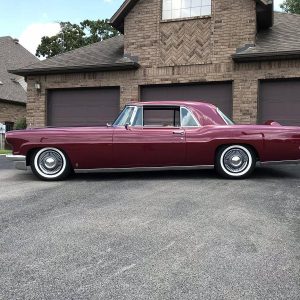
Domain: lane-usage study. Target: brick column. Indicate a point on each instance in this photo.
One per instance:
(245, 100)
(128, 93)
(36, 106)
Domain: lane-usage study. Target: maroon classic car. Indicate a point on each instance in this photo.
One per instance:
(175, 135)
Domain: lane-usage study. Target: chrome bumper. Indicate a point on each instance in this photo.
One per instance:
(19, 160)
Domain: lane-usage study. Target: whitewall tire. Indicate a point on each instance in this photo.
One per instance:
(50, 164)
(235, 161)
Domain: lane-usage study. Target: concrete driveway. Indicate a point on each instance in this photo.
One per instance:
(171, 235)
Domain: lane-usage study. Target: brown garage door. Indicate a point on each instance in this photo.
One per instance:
(219, 94)
(82, 107)
(280, 101)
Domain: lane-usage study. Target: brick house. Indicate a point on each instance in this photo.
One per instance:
(12, 87)
(237, 54)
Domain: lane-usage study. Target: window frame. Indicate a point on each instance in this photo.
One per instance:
(179, 107)
(163, 107)
(182, 17)
(193, 116)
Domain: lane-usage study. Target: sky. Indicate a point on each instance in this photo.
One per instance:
(29, 20)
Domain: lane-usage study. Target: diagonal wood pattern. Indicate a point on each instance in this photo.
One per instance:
(187, 42)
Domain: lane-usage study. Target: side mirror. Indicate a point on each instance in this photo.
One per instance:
(127, 126)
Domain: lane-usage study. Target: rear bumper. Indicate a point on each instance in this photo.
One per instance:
(19, 160)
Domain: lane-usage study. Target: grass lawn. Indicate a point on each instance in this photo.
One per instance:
(5, 152)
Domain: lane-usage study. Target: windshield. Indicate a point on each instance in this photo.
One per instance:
(227, 120)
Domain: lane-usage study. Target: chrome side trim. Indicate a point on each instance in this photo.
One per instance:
(281, 162)
(19, 160)
(143, 169)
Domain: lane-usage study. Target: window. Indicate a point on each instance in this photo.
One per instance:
(131, 115)
(187, 119)
(125, 116)
(162, 116)
(175, 9)
(9, 126)
(225, 118)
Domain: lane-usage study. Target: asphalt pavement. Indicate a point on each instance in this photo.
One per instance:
(163, 235)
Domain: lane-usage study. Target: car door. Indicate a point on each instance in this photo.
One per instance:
(158, 141)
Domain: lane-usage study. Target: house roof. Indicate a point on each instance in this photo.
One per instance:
(104, 55)
(278, 42)
(13, 55)
(117, 20)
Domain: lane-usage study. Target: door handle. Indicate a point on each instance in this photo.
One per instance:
(178, 132)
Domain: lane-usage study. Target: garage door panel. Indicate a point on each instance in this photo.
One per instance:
(82, 107)
(280, 101)
(219, 94)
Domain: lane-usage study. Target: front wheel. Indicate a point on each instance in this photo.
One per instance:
(235, 161)
(50, 164)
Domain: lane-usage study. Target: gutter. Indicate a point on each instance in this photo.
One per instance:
(76, 69)
(15, 102)
(248, 57)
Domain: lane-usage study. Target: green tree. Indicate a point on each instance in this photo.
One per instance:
(20, 124)
(291, 6)
(73, 36)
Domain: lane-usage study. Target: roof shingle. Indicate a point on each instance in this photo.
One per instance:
(280, 41)
(13, 55)
(104, 55)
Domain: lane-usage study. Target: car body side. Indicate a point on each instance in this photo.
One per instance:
(120, 147)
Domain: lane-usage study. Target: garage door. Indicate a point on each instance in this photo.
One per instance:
(280, 101)
(82, 107)
(219, 94)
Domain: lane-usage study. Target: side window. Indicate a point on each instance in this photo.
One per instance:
(162, 116)
(138, 119)
(187, 119)
(125, 116)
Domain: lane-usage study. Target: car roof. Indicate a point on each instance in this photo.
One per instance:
(175, 103)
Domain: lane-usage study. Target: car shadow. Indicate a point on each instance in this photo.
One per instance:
(259, 173)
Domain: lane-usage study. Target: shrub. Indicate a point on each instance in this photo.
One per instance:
(20, 124)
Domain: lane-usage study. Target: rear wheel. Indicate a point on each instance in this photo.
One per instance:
(50, 164)
(235, 161)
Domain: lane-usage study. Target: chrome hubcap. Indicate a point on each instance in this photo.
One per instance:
(50, 162)
(236, 160)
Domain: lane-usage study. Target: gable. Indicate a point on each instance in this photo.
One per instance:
(264, 14)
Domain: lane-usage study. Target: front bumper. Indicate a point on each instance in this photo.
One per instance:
(19, 160)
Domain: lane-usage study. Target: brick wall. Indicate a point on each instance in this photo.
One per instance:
(11, 112)
(190, 41)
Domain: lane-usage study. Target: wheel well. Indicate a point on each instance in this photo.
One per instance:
(29, 154)
(245, 145)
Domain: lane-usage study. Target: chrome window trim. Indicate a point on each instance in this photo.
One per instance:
(193, 116)
(220, 113)
(156, 126)
(131, 119)
(133, 114)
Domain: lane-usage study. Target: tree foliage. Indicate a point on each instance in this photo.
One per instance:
(291, 6)
(20, 124)
(73, 36)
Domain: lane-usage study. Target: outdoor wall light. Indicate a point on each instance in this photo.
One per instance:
(37, 86)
